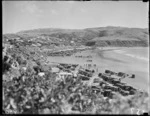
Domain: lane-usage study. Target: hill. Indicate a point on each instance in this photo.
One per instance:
(100, 36)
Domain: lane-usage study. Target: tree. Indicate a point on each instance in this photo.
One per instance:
(90, 43)
(36, 69)
(102, 33)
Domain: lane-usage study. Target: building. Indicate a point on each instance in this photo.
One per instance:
(63, 75)
(55, 69)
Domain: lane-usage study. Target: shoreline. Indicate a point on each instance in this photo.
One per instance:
(108, 59)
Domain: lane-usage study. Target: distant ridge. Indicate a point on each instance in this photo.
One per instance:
(100, 36)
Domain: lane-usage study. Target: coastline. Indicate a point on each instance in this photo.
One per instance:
(107, 58)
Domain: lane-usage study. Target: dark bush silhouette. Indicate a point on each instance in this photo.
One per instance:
(36, 69)
(91, 43)
(6, 67)
(5, 58)
(103, 33)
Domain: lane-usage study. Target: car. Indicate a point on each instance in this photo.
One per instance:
(109, 72)
(96, 89)
(121, 85)
(96, 80)
(104, 77)
(124, 93)
(111, 88)
(115, 81)
(132, 76)
(121, 74)
(108, 93)
(115, 89)
(132, 91)
(88, 70)
(102, 83)
(106, 87)
(100, 74)
(84, 78)
(127, 88)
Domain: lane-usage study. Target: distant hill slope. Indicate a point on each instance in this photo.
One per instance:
(101, 36)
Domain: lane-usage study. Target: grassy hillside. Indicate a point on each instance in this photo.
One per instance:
(26, 92)
(101, 36)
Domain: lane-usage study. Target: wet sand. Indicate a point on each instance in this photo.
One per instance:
(127, 60)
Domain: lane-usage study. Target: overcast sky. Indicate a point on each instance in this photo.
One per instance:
(24, 15)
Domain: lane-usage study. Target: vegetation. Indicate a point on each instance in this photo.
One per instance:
(26, 92)
(29, 93)
(131, 36)
(91, 43)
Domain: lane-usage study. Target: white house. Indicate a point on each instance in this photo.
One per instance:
(62, 75)
(41, 74)
(55, 70)
(24, 68)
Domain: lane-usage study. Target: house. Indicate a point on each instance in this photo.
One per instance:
(34, 45)
(41, 74)
(63, 75)
(55, 69)
(24, 68)
(75, 73)
(15, 65)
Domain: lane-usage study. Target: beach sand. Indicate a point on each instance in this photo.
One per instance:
(127, 60)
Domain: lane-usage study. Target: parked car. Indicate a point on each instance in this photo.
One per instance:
(96, 80)
(84, 78)
(110, 72)
(124, 93)
(96, 89)
(132, 76)
(121, 74)
(132, 91)
(100, 74)
(102, 83)
(108, 93)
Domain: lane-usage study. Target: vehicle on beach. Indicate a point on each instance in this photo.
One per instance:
(99, 75)
(124, 93)
(96, 80)
(132, 76)
(113, 80)
(110, 72)
(108, 93)
(96, 89)
(84, 78)
(86, 73)
(123, 75)
(102, 83)
(91, 71)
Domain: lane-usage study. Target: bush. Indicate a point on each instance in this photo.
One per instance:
(103, 33)
(6, 67)
(37, 69)
(91, 43)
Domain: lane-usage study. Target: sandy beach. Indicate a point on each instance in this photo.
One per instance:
(119, 59)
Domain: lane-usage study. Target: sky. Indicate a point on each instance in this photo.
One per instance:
(26, 15)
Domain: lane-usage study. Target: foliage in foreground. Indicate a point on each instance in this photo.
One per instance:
(28, 93)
